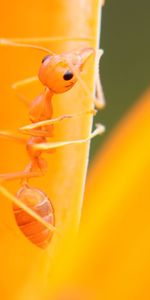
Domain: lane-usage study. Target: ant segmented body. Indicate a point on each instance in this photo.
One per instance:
(38, 201)
(58, 73)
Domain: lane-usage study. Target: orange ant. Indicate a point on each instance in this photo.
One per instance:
(58, 73)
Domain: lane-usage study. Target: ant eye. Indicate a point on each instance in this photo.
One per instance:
(47, 56)
(68, 75)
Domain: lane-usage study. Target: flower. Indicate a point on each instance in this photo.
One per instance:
(117, 205)
(111, 257)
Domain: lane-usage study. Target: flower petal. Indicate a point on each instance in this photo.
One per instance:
(112, 257)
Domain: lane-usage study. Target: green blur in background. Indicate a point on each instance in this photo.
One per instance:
(125, 65)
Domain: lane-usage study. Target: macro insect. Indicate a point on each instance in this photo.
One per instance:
(58, 73)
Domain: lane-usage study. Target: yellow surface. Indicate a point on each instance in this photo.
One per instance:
(111, 258)
(114, 258)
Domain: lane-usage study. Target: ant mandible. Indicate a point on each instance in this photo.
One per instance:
(58, 73)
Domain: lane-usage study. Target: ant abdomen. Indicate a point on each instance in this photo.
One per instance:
(37, 200)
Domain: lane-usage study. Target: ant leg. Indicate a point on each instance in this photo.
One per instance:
(12, 136)
(20, 83)
(27, 209)
(31, 128)
(47, 146)
(23, 82)
(36, 168)
(99, 100)
(23, 98)
(25, 174)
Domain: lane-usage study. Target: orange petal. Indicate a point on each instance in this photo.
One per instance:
(118, 186)
(24, 266)
(112, 258)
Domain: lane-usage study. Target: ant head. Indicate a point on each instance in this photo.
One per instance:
(58, 72)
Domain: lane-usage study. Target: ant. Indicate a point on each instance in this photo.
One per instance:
(58, 73)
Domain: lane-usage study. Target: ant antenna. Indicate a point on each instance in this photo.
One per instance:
(99, 103)
(52, 39)
(7, 42)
